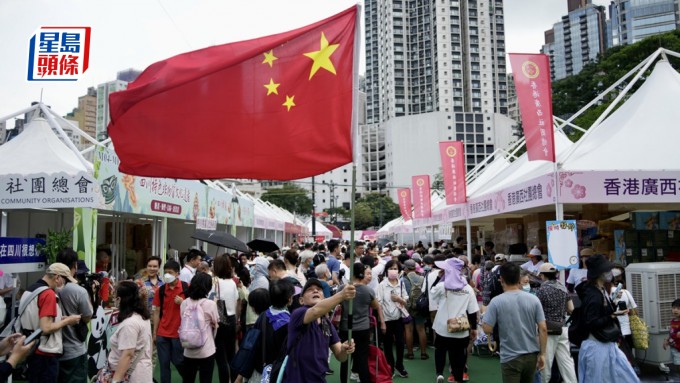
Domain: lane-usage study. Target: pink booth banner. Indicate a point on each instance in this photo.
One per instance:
(620, 187)
(453, 170)
(405, 203)
(539, 191)
(534, 96)
(421, 196)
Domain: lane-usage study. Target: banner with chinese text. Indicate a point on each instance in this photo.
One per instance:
(534, 96)
(540, 191)
(162, 197)
(562, 244)
(20, 255)
(405, 203)
(421, 196)
(453, 170)
(620, 187)
(41, 190)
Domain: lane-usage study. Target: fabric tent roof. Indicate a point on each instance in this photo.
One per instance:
(641, 135)
(522, 169)
(320, 228)
(38, 150)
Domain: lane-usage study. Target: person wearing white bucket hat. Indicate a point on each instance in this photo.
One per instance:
(535, 261)
(457, 302)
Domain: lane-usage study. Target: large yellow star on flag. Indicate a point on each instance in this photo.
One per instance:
(322, 57)
(269, 58)
(272, 87)
(289, 102)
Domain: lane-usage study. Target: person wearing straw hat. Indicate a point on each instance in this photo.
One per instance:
(557, 303)
(457, 301)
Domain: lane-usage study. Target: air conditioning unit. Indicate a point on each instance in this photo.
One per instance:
(654, 286)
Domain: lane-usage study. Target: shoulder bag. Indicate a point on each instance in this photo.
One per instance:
(105, 375)
(456, 324)
(221, 305)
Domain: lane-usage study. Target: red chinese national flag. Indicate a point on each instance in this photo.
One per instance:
(453, 169)
(421, 197)
(277, 107)
(534, 95)
(405, 203)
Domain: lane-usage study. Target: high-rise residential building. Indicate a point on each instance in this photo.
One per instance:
(578, 39)
(435, 71)
(633, 20)
(103, 92)
(103, 116)
(86, 114)
(72, 134)
(513, 103)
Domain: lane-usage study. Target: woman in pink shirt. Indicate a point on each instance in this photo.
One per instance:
(201, 360)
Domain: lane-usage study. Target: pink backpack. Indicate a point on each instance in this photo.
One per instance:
(193, 330)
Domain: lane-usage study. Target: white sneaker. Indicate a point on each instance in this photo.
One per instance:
(440, 379)
(354, 376)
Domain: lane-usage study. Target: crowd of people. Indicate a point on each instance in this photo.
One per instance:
(283, 315)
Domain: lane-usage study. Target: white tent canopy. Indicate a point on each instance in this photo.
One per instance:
(38, 150)
(642, 134)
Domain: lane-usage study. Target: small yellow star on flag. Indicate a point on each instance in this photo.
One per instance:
(322, 57)
(289, 102)
(269, 58)
(272, 87)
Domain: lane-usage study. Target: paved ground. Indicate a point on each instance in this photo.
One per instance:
(481, 369)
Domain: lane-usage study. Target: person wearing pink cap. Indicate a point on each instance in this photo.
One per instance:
(456, 299)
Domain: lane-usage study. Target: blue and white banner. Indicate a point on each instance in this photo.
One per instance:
(19, 255)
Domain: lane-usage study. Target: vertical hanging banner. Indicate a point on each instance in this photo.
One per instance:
(453, 170)
(421, 197)
(405, 203)
(534, 96)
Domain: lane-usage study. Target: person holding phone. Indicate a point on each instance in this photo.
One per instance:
(17, 348)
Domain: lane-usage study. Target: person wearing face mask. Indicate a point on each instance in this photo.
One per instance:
(393, 297)
(600, 360)
(44, 312)
(524, 281)
(166, 320)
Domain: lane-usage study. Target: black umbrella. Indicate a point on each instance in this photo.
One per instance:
(220, 238)
(263, 245)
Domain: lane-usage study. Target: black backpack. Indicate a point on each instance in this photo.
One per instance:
(495, 283)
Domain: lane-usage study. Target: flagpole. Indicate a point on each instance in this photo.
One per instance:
(355, 156)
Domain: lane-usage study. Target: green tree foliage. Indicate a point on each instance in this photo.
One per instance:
(363, 216)
(290, 197)
(572, 93)
(378, 206)
(438, 182)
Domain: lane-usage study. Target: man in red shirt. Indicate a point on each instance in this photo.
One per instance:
(43, 312)
(166, 320)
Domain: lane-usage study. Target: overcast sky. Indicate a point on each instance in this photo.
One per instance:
(137, 33)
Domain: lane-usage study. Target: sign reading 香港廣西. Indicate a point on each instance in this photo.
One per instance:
(620, 187)
(562, 244)
(58, 53)
(42, 190)
(19, 255)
